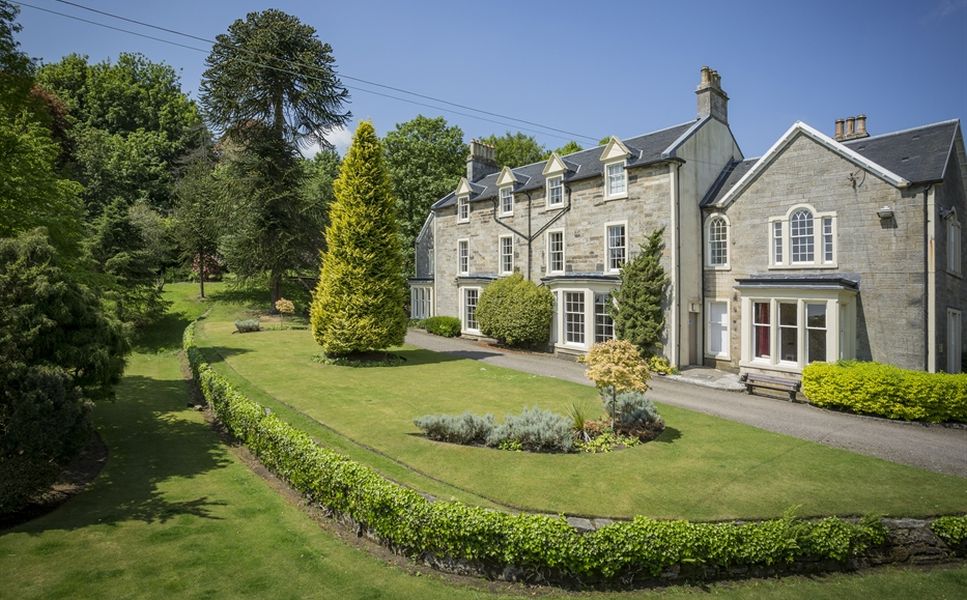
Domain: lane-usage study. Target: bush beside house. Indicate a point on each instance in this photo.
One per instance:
(516, 312)
(887, 391)
(444, 326)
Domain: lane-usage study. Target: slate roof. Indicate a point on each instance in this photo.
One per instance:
(847, 280)
(645, 149)
(919, 155)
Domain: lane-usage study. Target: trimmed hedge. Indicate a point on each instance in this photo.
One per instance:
(445, 326)
(887, 391)
(404, 519)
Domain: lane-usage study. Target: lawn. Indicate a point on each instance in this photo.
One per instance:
(175, 514)
(702, 467)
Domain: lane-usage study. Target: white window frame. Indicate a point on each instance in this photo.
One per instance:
(547, 251)
(563, 315)
(463, 309)
(548, 184)
(460, 269)
(819, 246)
(607, 245)
(608, 194)
(954, 247)
(415, 301)
(708, 242)
(726, 353)
(505, 193)
(500, 254)
(594, 311)
(463, 209)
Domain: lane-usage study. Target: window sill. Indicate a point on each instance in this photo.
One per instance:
(803, 266)
(719, 356)
(764, 364)
(725, 267)
(616, 197)
(509, 214)
(462, 221)
(954, 274)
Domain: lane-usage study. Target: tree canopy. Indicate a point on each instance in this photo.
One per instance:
(425, 157)
(516, 149)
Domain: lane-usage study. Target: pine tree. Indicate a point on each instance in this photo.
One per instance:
(358, 303)
(638, 309)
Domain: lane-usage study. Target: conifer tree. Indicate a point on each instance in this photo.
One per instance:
(638, 309)
(358, 303)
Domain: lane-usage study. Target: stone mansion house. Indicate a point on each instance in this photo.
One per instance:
(824, 248)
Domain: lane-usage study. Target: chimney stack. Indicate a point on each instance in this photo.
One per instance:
(712, 100)
(855, 128)
(482, 160)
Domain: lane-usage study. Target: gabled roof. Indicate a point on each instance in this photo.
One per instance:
(793, 133)
(916, 156)
(919, 154)
(643, 150)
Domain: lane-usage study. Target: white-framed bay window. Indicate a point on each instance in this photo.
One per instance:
(469, 298)
(463, 209)
(555, 191)
(803, 238)
(582, 315)
(615, 180)
(421, 301)
(786, 329)
(505, 254)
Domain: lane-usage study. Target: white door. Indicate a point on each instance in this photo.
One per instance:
(955, 345)
(718, 329)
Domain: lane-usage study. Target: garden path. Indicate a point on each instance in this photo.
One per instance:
(934, 447)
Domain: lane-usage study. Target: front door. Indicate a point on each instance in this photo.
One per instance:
(954, 340)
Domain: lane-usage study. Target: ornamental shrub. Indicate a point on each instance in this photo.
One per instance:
(247, 326)
(632, 411)
(616, 366)
(445, 326)
(405, 519)
(887, 391)
(358, 303)
(516, 312)
(953, 531)
(639, 302)
(467, 428)
(534, 430)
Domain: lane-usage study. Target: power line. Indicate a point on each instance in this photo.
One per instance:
(342, 75)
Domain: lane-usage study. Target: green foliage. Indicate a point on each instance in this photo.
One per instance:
(607, 441)
(632, 411)
(425, 158)
(516, 312)
(660, 364)
(358, 303)
(467, 428)
(196, 221)
(534, 430)
(57, 352)
(638, 309)
(130, 125)
(516, 149)
(405, 519)
(887, 391)
(248, 325)
(952, 530)
(129, 276)
(443, 326)
(298, 105)
(321, 172)
(568, 148)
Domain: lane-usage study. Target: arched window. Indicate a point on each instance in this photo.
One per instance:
(718, 242)
(801, 236)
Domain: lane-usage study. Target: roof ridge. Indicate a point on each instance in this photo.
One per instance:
(898, 132)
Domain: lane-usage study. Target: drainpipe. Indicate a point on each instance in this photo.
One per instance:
(930, 277)
(674, 336)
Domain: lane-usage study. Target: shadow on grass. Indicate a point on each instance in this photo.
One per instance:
(164, 334)
(214, 354)
(668, 436)
(414, 357)
(156, 454)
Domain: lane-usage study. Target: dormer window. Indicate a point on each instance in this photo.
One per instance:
(616, 181)
(555, 191)
(463, 209)
(506, 201)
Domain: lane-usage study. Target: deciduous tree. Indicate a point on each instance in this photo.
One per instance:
(516, 149)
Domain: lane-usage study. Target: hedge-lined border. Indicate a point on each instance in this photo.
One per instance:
(506, 545)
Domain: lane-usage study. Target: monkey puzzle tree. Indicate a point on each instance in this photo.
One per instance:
(358, 303)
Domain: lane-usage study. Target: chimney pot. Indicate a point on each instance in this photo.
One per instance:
(850, 126)
(861, 126)
(838, 134)
(482, 160)
(712, 100)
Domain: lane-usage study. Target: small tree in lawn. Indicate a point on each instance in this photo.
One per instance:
(616, 366)
(638, 309)
(358, 303)
(284, 307)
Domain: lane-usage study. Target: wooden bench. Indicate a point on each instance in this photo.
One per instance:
(754, 380)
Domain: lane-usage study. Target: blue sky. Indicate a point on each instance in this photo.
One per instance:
(620, 68)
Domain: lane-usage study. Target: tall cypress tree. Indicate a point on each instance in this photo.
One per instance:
(638, 309)
(358, 303)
